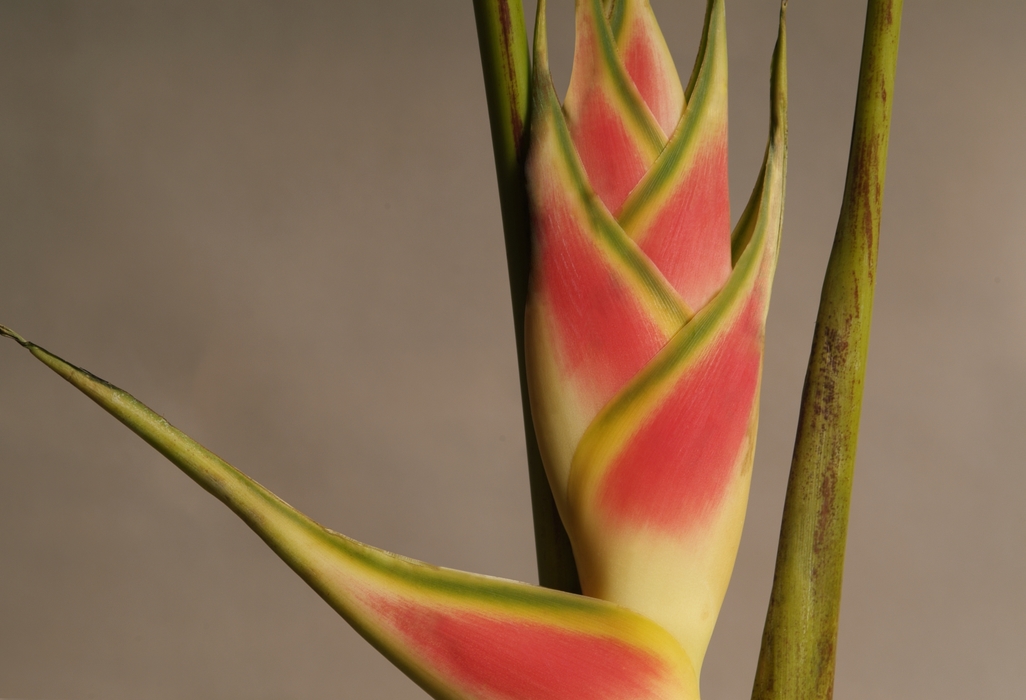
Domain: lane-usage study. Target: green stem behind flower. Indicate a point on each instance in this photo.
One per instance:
(799, 640)
(504, 59)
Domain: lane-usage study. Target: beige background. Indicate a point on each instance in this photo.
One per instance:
(277, 224)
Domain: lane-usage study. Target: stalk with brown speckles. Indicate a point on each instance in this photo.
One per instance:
(799, 639)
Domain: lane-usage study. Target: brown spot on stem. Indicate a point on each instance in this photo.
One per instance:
(506, 24)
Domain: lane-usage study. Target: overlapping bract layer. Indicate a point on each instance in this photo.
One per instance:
(645, 317)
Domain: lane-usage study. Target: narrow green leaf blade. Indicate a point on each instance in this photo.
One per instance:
(799, 640)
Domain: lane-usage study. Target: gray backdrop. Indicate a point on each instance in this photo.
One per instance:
(277, 224)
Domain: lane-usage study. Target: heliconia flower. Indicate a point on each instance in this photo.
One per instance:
(645, 316)
(645, 343)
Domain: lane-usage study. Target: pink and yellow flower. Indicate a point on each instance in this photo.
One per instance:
(644, 342)
(645, 316)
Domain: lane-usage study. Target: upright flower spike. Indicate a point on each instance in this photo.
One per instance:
(645, 316)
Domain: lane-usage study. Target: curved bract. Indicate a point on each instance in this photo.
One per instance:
(645, 315)
(456, 634)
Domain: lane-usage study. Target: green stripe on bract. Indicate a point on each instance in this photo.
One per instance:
(745, 227)
(609, 235)
(615, 13)
(674, 158)
(761, 219)
(612, 236)
(647, 61)
(682, 348)
(710, 7)
(633, 107)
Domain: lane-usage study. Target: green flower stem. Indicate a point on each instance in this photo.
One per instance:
(799, 640)
(507, 72)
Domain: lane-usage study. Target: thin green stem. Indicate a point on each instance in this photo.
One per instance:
(800, 637)
(504, 58)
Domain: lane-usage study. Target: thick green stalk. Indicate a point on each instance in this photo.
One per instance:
(799, 640)
(504, 59)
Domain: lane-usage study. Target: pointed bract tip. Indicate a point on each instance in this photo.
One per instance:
(541, 40)
(8, 333)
